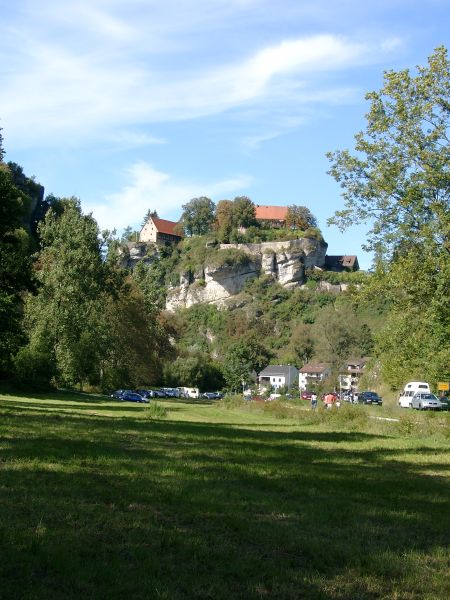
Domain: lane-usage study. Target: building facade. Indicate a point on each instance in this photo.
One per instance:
(278, 376)
(312, 374)
(159, 231)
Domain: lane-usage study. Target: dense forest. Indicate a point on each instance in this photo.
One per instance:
(70, 315)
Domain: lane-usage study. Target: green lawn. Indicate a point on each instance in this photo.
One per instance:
(99, 500)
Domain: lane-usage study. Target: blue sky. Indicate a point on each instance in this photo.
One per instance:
(139, 104)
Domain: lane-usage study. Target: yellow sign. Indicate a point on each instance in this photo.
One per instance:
(443, 386)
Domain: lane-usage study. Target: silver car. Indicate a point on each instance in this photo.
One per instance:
(425, 401)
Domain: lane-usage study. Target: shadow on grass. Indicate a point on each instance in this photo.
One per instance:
(110, 508)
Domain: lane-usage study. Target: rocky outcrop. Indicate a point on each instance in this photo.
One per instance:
(285, 262)
(131, 253)
(325, 286)
(216, 286)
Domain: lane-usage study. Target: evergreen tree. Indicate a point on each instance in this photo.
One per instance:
(14, 266)
(2, 151)
(149, 214)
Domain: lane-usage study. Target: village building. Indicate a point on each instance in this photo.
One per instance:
(160, 231)
(278, 376)
(274, 216)
(351, 374)
(347, 262)
(311, 374)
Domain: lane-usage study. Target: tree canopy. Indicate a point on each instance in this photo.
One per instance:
(197, 216)
(15, 273)
(300, 217)
(399, 180)
(243, 212)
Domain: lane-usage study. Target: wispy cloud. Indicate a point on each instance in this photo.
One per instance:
(78, 70)
(148, 188)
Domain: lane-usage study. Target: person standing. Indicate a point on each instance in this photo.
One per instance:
(329, 399)
(313, 401)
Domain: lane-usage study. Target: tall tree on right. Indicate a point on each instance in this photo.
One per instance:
(399, 181)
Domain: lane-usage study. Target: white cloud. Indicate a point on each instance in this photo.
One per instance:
(80, 70)
(149, 188)
(124, 139)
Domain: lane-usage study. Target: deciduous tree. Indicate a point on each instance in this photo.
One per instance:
(243, 212)
(399, 180)
(65, 318)
(198, 216)
(300, 217)
(223, 223)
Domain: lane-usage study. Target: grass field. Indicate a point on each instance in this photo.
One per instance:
(102, 500)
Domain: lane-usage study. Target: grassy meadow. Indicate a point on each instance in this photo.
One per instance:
(107, 500)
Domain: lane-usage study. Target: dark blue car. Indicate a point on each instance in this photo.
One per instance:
(129, 396)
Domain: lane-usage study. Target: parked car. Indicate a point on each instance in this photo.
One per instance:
(146, 393)
(117, 394)
(171, 392)
(425, 401)
(306, 395)
(369, 398)
(159, 394)
(411, 388)
(212, 395)
(129, 396)
(445, 402)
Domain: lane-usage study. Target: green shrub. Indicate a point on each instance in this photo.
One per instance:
(155, 411)
(232, 401)
(229, 257)
(34, 369)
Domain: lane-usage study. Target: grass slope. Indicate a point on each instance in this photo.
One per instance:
(98, 499)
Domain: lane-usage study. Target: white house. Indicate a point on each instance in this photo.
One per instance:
(278, 376)
(350, 376)
(159, 231)
(312, 373)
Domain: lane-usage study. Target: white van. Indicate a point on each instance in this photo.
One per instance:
(411, 388)
(187, 392)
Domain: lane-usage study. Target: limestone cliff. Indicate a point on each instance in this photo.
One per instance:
(133, 252)
(284, 261)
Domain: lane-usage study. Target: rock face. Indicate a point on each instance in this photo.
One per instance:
(285, 262)
(133, 252)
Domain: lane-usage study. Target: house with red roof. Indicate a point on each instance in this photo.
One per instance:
(160, 231)
(271, 215)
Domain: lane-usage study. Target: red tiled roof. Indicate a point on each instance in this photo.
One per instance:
(164, 226)
(271, 213)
